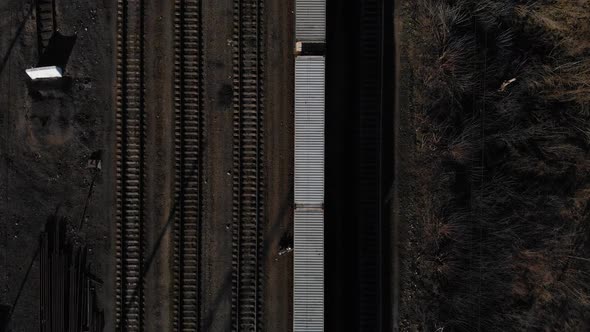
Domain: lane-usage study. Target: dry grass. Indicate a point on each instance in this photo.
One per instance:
(562, 23)
(500, 218)
(568, 82)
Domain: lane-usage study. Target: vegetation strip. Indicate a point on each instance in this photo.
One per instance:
(498, 100)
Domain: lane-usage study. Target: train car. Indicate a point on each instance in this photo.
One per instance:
(308, 269)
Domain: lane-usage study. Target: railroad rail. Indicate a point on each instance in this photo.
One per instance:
(369, 176)
(248, 184)
(46, 25)
(188, 145)
(130, 129)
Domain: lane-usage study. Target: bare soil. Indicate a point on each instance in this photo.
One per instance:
(279, 144)
(45, 146)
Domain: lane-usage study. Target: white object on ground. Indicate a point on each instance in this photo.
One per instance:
(44, 72)
(95, 164)
(506, 84)
(298, 47)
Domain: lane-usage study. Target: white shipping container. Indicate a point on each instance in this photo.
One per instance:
(310, 20)
(309, 130)
(308, 269)
(308, 279)
(44, 72)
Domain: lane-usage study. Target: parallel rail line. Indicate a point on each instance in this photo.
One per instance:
(130, 128)
(188, 145)
(248, 184)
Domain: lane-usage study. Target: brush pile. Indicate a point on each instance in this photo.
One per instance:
(498, 219)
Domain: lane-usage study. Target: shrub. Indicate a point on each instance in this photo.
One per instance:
(499, 223)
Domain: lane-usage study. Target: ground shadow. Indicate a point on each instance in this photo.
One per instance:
(58, 51)
(4, 315)
(19, 31)
(41, 89)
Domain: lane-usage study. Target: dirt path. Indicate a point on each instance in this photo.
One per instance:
(160, 157)
(279, 144)
(217, 234)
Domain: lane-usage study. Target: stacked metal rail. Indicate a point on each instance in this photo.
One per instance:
(67, 292)
(308, 286)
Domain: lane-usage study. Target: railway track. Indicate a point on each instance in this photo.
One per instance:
(130, 128)
(248, 198)
(188, 143)
(370, 261)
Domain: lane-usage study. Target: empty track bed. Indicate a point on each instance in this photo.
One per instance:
(188, 165)
(130, 127)
(248, 184)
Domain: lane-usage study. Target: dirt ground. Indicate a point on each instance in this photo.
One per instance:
(279, 143)
(45, 145)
